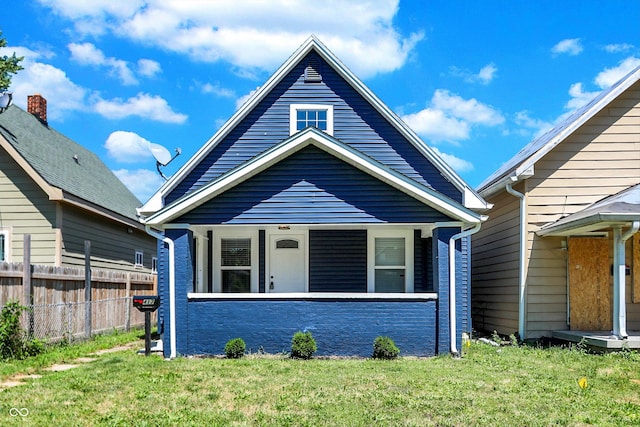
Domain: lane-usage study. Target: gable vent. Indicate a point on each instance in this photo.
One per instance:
(312, 71)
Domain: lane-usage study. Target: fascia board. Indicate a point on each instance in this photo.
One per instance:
(312, 136)
(54, 193)
(588, 224)
(228, 126)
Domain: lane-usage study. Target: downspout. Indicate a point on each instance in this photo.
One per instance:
(619, 299)
(452, 286)
(521, 263)
(172, 288)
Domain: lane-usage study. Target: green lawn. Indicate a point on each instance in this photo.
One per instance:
(508, 386)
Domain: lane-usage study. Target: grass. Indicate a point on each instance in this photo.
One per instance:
(515, 386)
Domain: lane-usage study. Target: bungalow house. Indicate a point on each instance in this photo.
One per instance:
(314, 208)
(560, 253)
(62, 194)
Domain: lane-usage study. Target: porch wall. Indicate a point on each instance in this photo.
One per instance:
(340, 327)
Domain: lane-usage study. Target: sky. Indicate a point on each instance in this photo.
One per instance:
(476, 80)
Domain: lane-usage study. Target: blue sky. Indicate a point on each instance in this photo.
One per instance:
(477, 80)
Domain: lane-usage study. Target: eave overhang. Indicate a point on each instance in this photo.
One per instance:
(312, 136)
(589, 224)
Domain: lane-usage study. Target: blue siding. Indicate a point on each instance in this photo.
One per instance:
(312, 187)
(340, 327)
(355, 123)
(338, 261)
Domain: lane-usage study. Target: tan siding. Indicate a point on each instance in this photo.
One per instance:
(112, 246)
(495, 269)
(599, 159)
(25, 209)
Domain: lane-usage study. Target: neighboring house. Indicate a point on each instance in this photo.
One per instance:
(61, 194)
(561, 248)
(314, 208)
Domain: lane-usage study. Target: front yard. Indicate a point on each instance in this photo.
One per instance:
(508, 386)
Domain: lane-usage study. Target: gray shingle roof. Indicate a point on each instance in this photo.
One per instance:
(53, 156)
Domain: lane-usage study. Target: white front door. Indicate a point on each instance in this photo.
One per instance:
(287, 263)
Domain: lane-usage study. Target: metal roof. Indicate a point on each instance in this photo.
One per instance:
(65, 164)
(523, 161)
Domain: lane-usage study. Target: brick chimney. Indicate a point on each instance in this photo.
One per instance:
(37, 106)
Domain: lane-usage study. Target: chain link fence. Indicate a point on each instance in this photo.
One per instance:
(67, 322)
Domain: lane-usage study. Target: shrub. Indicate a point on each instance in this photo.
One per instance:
(14, 343)
(234, 349)
(385, 348)
(303, 345)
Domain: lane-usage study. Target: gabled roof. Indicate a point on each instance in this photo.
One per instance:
(521, 165)
(64, 169)
(617, 210)
(470, 197)
(312, 136)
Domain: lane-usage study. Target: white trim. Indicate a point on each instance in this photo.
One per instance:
(6, 232)
(155, 203)
(220, 233)
(312, 136)
(403, 232)
(293, 109)
(314, 296)
(294, 230)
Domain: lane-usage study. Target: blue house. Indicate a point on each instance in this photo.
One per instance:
(314, 208)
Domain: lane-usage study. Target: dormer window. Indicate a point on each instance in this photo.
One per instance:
(316, 115)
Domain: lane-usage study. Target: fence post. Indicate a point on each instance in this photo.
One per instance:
(127, 304)
(26, 281)
(87, 288)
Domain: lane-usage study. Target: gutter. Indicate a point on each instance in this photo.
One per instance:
(619, 302)
(452, 285)
(172, 288)
(521, 258)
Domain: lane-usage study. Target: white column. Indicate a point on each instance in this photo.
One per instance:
(619, 297)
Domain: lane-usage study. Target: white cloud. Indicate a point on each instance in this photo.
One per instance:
(450, 118)
(257, 35)
(149, 67)
(569, 46)
(88, 54)
(539, 127)
(142, 105)
(127, 147)
(244, 98)
(458, 164)
(484, 76)
(143, 183)
(579, 97)
(619, 47)
(53, 84)
(217, 90)
(609, 76)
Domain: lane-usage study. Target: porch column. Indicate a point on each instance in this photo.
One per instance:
(619, 280)
(440, 259)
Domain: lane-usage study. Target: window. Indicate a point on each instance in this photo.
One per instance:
(4, 243)
(390, 261)
(235, 265)
(154, 264)
(316, 115)
(139, 259)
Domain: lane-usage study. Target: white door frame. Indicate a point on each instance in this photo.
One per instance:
(293, 231)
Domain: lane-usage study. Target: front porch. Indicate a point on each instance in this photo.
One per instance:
(602, 340)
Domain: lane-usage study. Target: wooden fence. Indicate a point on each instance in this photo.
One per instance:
(67, 303)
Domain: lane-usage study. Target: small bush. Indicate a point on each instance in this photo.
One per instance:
(303, 345)
(385, 348)
(14, 344)
(234, 349)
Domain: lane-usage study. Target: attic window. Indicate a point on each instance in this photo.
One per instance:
(317, 115)
(312, 71)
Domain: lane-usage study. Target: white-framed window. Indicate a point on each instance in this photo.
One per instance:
(139, 261)
(5, 246)
(316, 115)
(154, 264)
(235, 262)
(390, 261)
